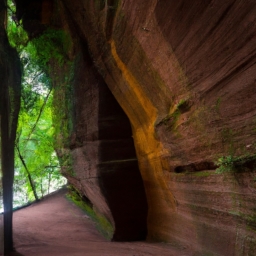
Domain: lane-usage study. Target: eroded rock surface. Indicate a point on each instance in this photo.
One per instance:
(183, 72)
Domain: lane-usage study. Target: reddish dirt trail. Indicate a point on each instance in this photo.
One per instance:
(56, 227)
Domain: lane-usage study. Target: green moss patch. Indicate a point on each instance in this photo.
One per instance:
(101, 223)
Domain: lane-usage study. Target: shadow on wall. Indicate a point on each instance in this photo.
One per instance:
(120, 179)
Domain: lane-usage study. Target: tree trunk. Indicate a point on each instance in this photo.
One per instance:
(10, 83)
(7, 169)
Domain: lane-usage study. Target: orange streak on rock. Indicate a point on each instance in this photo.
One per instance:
(150, 151)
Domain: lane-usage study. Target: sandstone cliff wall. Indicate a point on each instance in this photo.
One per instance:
(181, 76)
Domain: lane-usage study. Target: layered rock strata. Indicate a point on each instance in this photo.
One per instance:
(184, 74)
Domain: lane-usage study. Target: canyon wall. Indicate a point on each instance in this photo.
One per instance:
(160, 90)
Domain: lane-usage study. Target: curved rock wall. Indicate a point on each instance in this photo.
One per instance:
(184, 74)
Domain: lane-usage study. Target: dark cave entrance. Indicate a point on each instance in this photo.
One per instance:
(120, 178)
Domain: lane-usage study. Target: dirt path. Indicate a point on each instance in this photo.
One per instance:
(56, 227)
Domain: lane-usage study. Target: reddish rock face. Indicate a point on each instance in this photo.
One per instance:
(105, 163)
(102, 153)
(184, 74)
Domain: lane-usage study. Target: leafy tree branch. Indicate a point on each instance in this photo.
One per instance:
(28, 173)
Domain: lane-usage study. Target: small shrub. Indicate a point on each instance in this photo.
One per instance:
(232, 163)
(226, 164)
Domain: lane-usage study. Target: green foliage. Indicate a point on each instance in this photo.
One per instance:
(52, 44)
(233, 163)
(35, 143)
(17, 36)
(226, 164)
(38, 151)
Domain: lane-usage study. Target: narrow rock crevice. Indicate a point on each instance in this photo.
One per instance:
(118, 171)
(195, 167)
(112, 6)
